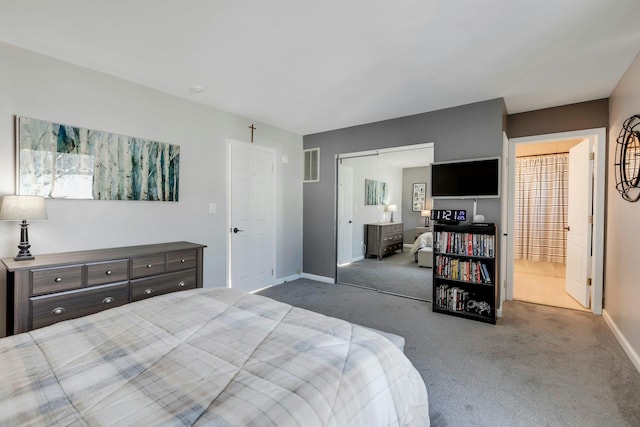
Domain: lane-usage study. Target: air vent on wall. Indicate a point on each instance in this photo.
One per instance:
(312, 165)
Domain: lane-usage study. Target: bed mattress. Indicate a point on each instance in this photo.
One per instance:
(210, 356)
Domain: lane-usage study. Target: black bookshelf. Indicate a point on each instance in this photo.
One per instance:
(464, 271)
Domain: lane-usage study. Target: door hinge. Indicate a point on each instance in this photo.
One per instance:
(272, 272)
(590, 219)
(588, 281)
(592, 155)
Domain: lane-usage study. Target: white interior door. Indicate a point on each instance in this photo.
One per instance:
(345, 214)
(252, 211)
(579, 225)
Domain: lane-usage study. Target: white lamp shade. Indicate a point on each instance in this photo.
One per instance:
(392, 208)
(17, 208)
(426, 212)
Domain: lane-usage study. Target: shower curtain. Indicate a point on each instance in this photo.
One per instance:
(540, 212)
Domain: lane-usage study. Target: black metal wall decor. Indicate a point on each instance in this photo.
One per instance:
(627, 166)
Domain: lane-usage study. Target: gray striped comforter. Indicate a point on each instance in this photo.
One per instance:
(207, 357)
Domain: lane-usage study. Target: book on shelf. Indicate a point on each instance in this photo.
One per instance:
(451, 298)
(474, 271)
(468, 244)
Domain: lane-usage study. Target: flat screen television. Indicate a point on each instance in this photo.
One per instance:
(466, 179)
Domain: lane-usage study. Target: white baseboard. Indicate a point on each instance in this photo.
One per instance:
(626, 345)
(278, 281)
(407, 245)
(352, 260)
(291, 278)
(318, 278)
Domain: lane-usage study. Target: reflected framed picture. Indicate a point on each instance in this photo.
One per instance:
(375, 192)
(419, 195)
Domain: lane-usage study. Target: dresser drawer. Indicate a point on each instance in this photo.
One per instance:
(147, 266)
(55, 279)
(49, 309)
(183, 260)
(395, 237)
(392, 248)
(152, 286)
(99, 273)
(394, 228)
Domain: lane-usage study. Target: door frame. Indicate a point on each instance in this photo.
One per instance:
(598, 137)
(228, 224)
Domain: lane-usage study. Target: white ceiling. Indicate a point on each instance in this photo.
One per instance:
(312, 66)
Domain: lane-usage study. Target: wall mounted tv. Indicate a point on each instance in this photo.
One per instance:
(466, 179)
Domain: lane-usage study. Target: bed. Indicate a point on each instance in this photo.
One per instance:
(210, 356)
(422, 249)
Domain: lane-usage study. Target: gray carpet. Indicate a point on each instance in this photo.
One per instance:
(397, 274)
(539, 366)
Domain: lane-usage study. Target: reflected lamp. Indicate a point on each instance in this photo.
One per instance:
(426, 213)
(392, 209)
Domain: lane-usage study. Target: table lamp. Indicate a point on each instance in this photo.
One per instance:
(392, 209)
(23, 208)
(426, 214)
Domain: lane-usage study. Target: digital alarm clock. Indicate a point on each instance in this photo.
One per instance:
(448, 215)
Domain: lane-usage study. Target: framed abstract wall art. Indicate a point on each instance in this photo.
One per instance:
(375, 192)
(61, 161)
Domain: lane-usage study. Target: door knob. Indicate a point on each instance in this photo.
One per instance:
(566, 228)
(236, 230)
(350, 221)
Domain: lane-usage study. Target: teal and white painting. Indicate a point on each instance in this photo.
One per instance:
(375, 192)
(62, 161)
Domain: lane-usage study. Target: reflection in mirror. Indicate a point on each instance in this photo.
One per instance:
(372, 250)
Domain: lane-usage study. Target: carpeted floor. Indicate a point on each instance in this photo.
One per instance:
(397, 274)
(539, 366)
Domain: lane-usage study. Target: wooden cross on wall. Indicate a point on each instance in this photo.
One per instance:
(252, 127)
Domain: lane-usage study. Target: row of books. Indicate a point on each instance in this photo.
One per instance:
(464, 243)
(451, 298)
(464, 270)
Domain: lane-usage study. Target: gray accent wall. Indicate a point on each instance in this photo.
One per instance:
(566, 118)
(463, 132)
(412, 219)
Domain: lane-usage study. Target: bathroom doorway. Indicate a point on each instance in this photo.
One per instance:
(555, 216)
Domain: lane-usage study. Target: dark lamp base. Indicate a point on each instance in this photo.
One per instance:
(24, 254)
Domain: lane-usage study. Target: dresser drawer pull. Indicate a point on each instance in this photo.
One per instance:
(58, 310)
(183, 260)
(108, 300)
(181, 284)
(58, 279)
(148, 265)
(148, 291)
(108, 273)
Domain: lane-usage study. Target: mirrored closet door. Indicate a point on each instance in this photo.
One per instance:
(381, 199)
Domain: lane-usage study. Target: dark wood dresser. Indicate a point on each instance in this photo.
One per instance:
(57, 287)
(383, 238)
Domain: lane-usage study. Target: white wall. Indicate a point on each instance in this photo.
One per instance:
(37, 86)
(622, 285)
